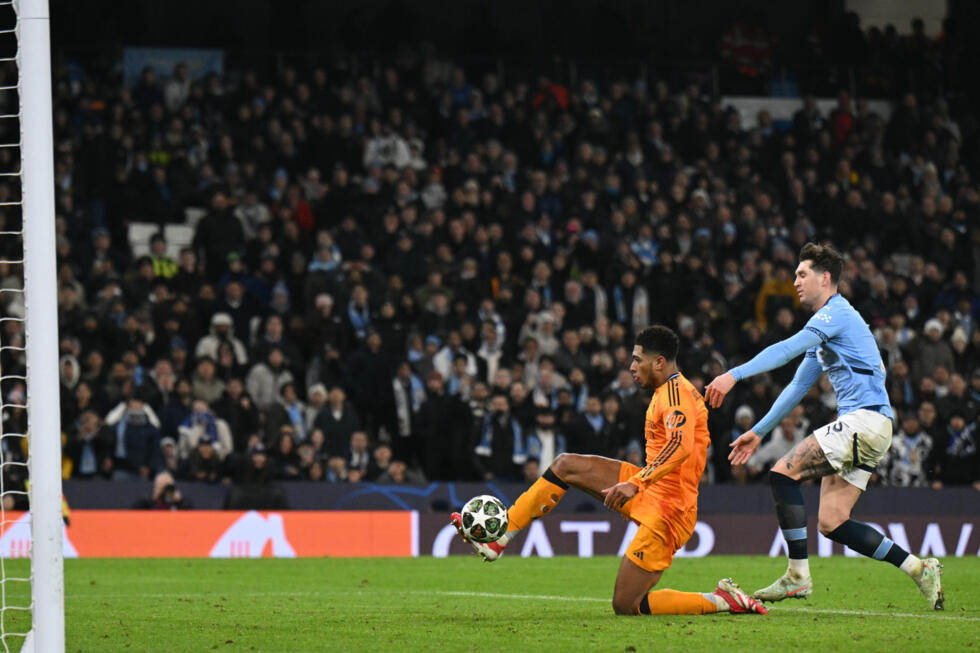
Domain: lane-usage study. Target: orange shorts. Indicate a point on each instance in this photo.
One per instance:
(660, 534)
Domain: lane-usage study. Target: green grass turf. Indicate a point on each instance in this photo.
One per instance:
(422, 605)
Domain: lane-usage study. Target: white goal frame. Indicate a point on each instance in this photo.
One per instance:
(41, 328)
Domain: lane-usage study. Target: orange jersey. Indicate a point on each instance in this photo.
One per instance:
(677, 441)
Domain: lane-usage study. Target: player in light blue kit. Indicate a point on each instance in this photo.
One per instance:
(844, 453)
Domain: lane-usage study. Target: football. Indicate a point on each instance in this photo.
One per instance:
(484, 518)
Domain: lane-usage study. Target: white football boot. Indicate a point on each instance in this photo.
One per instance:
(930, 582)
(786, 587)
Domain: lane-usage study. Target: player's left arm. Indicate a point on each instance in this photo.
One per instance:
(806, 375)
(820, 328)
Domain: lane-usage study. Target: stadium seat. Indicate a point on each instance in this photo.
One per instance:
(139, 236)
(193, 215)
(178, 237)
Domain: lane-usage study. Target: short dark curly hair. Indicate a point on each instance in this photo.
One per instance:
(658, 339)
(823, 258)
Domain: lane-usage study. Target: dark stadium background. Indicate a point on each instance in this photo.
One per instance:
(567, 42)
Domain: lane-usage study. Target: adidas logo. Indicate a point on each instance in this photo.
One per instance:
(638, 554)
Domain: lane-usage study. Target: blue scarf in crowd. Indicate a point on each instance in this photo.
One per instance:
(596, 422)
(620, 304)
(534, 445)
(295, 412)
(210, 425)
(360, 320)
(485, 446)
(416, 392)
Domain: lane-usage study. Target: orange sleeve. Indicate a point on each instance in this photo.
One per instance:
(679, 420)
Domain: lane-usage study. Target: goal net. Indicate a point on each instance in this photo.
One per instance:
(31, 565)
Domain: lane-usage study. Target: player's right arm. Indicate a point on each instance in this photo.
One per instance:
(806, 375)
(773, 356)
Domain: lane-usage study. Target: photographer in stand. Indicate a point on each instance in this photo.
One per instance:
(166, 495)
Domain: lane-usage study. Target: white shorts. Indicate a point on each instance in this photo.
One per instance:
(855, 444)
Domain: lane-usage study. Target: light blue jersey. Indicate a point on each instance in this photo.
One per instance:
(836, 341)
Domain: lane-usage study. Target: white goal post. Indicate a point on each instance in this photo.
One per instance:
(41, 329)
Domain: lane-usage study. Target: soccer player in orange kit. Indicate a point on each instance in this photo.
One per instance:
(661, 497)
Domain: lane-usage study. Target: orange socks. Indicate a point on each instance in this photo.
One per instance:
(674, 602)
(537, 501)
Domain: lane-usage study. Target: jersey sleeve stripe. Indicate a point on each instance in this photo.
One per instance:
(665, 453)
(823, 336)
(668, 450)
(661, 459)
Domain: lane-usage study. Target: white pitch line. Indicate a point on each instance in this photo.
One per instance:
(854, 613)
(526, 597)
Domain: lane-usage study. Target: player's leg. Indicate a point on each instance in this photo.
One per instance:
(632, 585)
(837, 498)
(806, 461)
(649, 554)
(591, 474)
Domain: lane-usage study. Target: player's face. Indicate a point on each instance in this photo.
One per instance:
(810, 284)
(644, 367)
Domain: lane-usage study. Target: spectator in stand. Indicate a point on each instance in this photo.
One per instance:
(367, 373)
(337, 421)
(221, 331)
(545, 441)
(358, 453)
(166, 495)
(933, 350)
(398, 473)
(744, 419)
(266, 378)
(442, 421)
(238, 410)
(256, 468)
(589, 433)
(164, 267)
(200, 425)
(957, 400)
(316, 401)
(206, 385)
(782, 440)
(957, 454)
(88, 449)
(287, 411)
(204, 464)
(177, 89)
(501, 449)
(218, 234)
(273, 334)
(286, 459)
(134, 433)
(909, 460)
(408, 396)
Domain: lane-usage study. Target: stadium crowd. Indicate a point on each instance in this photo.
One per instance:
(421, 275)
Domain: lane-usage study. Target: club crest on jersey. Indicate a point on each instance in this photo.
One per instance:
(675, 420)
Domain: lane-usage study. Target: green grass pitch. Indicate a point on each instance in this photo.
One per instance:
(427, 604)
